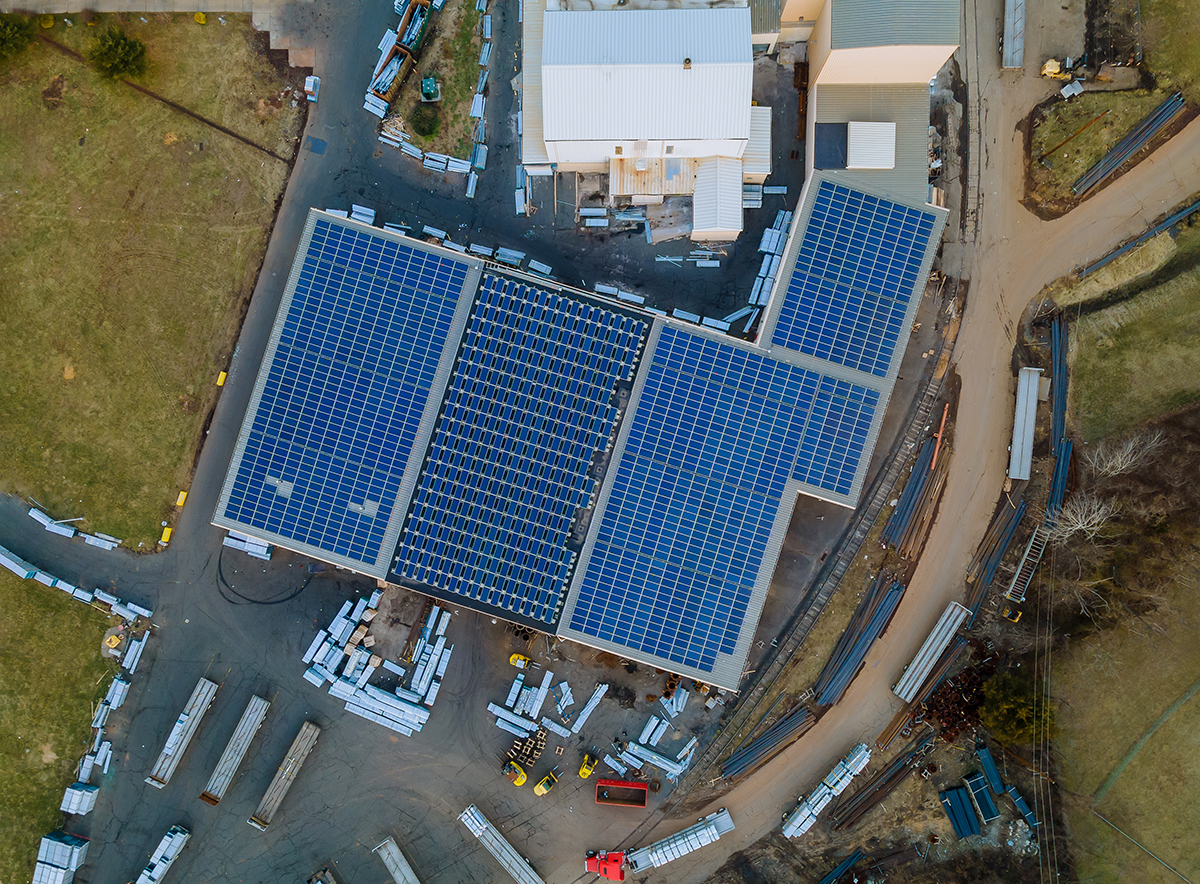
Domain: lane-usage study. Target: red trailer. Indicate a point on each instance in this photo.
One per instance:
(621, 793)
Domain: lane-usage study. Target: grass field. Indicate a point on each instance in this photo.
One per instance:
(131, 236)
(452, 57)
(1171, 30)
(1137, 359)
(45, 710)
(1111, 687)
(1053, 178)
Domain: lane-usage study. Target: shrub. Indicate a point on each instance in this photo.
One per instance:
(1013, 711)
(16, 32)
(116, 54)
(425, 120)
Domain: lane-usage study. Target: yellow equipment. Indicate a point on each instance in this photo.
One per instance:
(520, 661)
(113, 640)
(515, 773)
(545, 784)
(589, 765)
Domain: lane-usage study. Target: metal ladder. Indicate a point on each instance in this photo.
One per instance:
(1029, 562)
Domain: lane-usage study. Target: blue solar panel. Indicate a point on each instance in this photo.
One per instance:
(854, 278)
(717, 434)
(529, 406)
(344, 392)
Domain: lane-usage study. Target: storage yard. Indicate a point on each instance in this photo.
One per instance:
(493, 532)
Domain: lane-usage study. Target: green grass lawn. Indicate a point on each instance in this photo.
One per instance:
(51, 673)
(1137, 359)
(1171, 37)
(1053, 178)
(1110, 688)
(130, 237)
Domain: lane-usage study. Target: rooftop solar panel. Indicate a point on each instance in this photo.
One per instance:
(718, 434)
(855, 274)
(531, 403)
(341, 392)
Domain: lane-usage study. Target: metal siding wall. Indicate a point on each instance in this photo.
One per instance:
(894, 22)
(533, 146)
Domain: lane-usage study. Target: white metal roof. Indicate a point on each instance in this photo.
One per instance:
(621, 75)
(1020, 461)
(870, 145)
(717, 198)
(757, 158)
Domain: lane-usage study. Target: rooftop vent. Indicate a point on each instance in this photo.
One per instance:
(687, 64)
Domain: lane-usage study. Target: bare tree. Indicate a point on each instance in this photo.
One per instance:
(1116, 456)
(1083, 513)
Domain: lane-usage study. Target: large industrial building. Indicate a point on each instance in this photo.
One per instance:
(660, 99)
(580, 465)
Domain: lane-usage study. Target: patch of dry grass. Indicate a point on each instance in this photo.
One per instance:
(45, 709)
(131, 236)
(1137, 359)
(1110, 688)
(1052, 179)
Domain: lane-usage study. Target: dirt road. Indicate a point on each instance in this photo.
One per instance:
(1015, 256)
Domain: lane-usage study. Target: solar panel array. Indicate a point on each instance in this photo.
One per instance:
(855, 275)
(718, 432)
(344, 392)
(530, 403)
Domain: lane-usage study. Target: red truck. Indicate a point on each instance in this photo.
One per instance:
(621, 793)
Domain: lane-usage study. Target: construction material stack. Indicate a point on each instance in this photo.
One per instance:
(235, 751)
(182, 732)
(705, 832)
(835, 782)
(941, 636)
(59, 855)
(489, 836)
(344, 647)
(285, 776)
(401, 872)
(164, 855)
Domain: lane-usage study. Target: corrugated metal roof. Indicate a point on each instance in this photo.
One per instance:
(757, 158)
(717, 198)
(1020, 460)
(533, 145)
(858, 23)
(906, 105)
(870, 145)
(620, 76)
(765, 16)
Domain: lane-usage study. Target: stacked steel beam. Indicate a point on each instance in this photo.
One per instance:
(870, 619)
(1058, 370)
(853, 808)
(996, 541)
(1138, 138)
(1058, 482)
(793, 724)
(910, 498)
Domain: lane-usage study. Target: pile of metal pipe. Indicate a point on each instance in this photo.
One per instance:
(853, 808)
(870, 619)
(1058, 482)
(910, 497)
(1138, 138)
(1058, 372)
(996, 540)
(793, 724)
